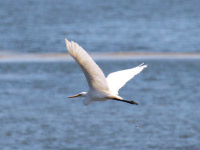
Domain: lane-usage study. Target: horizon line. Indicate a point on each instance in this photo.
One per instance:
(21, 57)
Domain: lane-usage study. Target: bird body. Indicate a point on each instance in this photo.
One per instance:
(100, 87)
(92, 95)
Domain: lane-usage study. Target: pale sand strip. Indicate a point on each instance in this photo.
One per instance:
(38, 57)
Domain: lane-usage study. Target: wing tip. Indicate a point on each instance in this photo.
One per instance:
(142, 65)
(68, 44)
(73, 48)
(66, 40)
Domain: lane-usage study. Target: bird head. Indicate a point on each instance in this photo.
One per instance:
(82, 94)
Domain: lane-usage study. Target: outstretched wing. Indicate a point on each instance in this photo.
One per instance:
(94, 75)
(118, 79)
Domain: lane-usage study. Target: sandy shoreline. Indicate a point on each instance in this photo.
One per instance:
(99, 56)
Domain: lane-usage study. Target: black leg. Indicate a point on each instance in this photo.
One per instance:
(126, 101)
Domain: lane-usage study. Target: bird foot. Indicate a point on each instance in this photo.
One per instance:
(133, 102)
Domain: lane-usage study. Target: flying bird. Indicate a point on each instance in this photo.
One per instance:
(100, 87)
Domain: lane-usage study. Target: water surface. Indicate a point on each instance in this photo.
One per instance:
(100, 26)
(35, 112)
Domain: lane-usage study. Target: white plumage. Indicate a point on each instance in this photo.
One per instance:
(100, 87)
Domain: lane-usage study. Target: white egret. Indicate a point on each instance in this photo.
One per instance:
(100, 88)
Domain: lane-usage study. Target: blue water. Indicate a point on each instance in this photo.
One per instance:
(35, 112)
(100, 26)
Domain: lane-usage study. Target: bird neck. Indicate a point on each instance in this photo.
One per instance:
(84, 94)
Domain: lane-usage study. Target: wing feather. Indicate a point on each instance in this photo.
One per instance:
(118, 79)
(94, 75)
